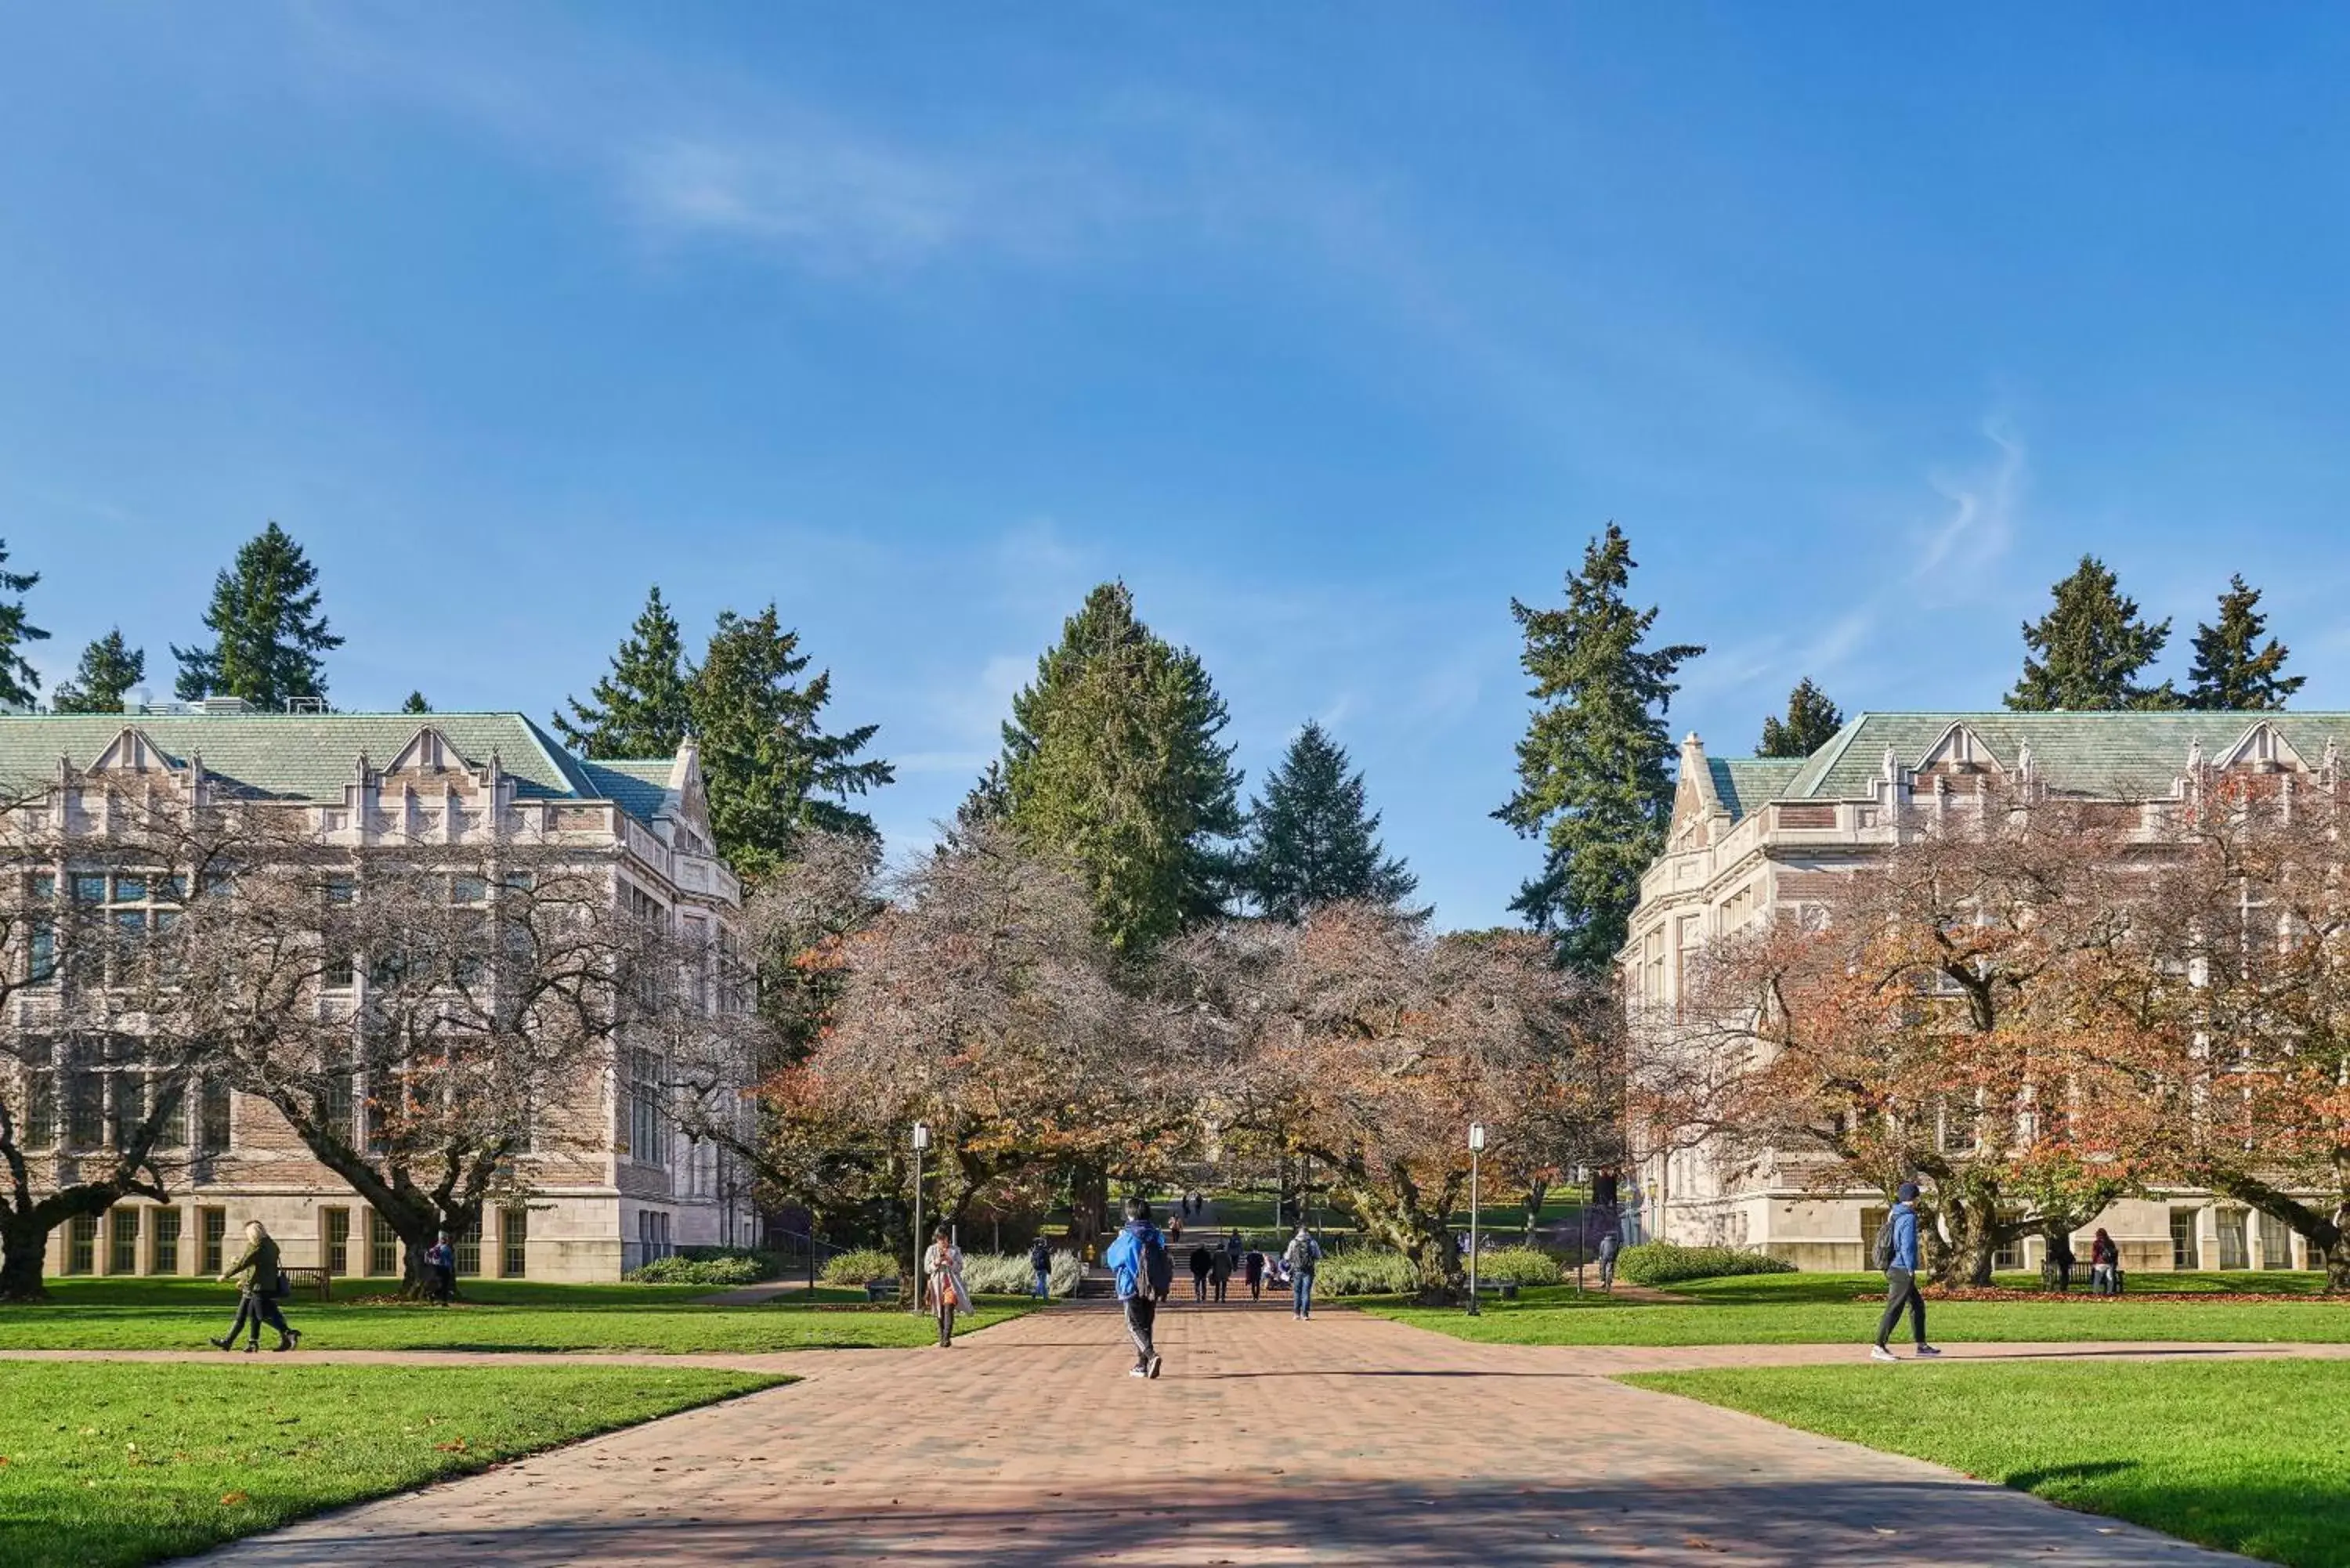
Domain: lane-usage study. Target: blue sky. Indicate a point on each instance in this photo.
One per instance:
(1329, 327)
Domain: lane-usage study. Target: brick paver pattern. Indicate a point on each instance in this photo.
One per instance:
(1345, 1440)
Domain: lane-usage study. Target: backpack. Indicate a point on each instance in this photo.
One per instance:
(1880, 1253)
(1158, 1268)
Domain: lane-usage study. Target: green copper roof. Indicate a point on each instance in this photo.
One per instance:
(636, 787)
(311, 756)
(2111, 756)
(1745, 782)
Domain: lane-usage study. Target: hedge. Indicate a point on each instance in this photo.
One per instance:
(1664, 1262)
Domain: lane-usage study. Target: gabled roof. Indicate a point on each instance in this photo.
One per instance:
(1745, 782)
(638, 787)
(2109, 756)
(310, 756)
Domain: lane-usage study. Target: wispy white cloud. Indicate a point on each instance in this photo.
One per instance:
(1963, 546)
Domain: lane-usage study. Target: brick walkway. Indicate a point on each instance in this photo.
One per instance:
(1345, 1440)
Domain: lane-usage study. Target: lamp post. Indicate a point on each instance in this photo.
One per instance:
(1476, 1148)
(922, 1142)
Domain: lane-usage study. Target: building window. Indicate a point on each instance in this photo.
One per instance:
(514, 1236)
(81, 1245)
(339, 1241)
(216, 1229)
(122, 1241)
(2183, 1251)
(2276, 1243)
(165, 1246)
(645, 1140)
(383, 1246)
(40, 1117)
(213, 1126)
(467, 1244)
(2234, 1253)
(2008, 1254)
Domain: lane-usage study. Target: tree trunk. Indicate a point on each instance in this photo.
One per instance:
(2333, 1246)
(1536, 1190)
(24, 1246)
(1969, 1229)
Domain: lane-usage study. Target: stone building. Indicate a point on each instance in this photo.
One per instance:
(630, 1189)
(1752, 836)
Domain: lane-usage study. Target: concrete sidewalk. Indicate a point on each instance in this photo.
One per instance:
(1342, 1441)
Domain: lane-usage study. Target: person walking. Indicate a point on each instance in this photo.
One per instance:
(442, 1258)
(1040, 1264)
(1200, 1263)
(2105, 1265)
(1609, 1245)
(1220, 1273)
(1301, 1255)
(942, 1277)
(1143, 1274)
(1896, 1253)
(1252, 1270)
(256, 1302)
(2060, 1254)
(1175, 1229)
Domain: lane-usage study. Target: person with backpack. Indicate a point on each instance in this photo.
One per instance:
(1303, 1253)
(2105, 1265)
(442, 1258)
(1040, 1263)
(1896, 1253)
(1609, 1245)
(256, 1303)
(1143, 1274)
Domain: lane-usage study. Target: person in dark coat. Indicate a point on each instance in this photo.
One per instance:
(2060, 1258)
(1252, 1270)
(257, 1302)
(2105, 1265)
(1202, 1262)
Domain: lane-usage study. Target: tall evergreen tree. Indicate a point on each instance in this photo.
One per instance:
(1811, 722)
(2092, 646)
(771, 770)
(267, 630)
(1113, 757)
(1310, 839)
(416, 704)
(641, 708)
(2231, 668)
(110, 668)
(18, 680)
(1593, 779)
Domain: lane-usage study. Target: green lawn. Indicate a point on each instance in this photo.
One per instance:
(2248, 1457)
(1809, 1308)
(506, 1314)
(108, 1465)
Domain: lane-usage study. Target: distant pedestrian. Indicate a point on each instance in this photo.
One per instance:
(2105, 1265)
(1143, 1274)
(1302, 1256)
(256, 1302)
(1252, 1270)
(942, 1283)
(2060, 1259)
(441, 1262)
(1895, 1252)
(1609, 1247)
(1202, 1262)
(1232, 1249)
(1040, 1263)
(1175, 1229)
(1220, 1273)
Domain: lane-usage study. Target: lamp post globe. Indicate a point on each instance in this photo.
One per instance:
(922, 1142)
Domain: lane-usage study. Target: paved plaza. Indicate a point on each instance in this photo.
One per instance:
(1345, 1440)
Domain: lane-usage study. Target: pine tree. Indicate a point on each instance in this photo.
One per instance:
(416, 704)
(771, 770)
(2231, 670)
(1310, 840)
(18, 680)
(1812, 721)
(1112, 756)
(2092, 646)
(270, 634)
(641, 708)
(1593, 769)
(110, 668)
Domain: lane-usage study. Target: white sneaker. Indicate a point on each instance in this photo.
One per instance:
(1878, 1353)
(1928, 1350)
(1136, 1371)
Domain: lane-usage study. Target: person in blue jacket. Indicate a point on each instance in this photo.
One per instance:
(1138, 1260)
(1897, 1249)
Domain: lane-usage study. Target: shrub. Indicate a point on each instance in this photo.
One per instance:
(679, 1269)
(1361, 1271)
(1518, 1266)
(861, 1268)
(1008, 1274)
(1663, 1262)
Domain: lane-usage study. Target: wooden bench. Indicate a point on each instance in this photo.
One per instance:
(1506, 1289)
(879, 1291)
(317, 1283)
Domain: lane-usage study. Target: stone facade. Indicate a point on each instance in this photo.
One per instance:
(625, 1185)
(1755, 837)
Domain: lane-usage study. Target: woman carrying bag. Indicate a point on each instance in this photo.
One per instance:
(943, 1280)
(263, 1284)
